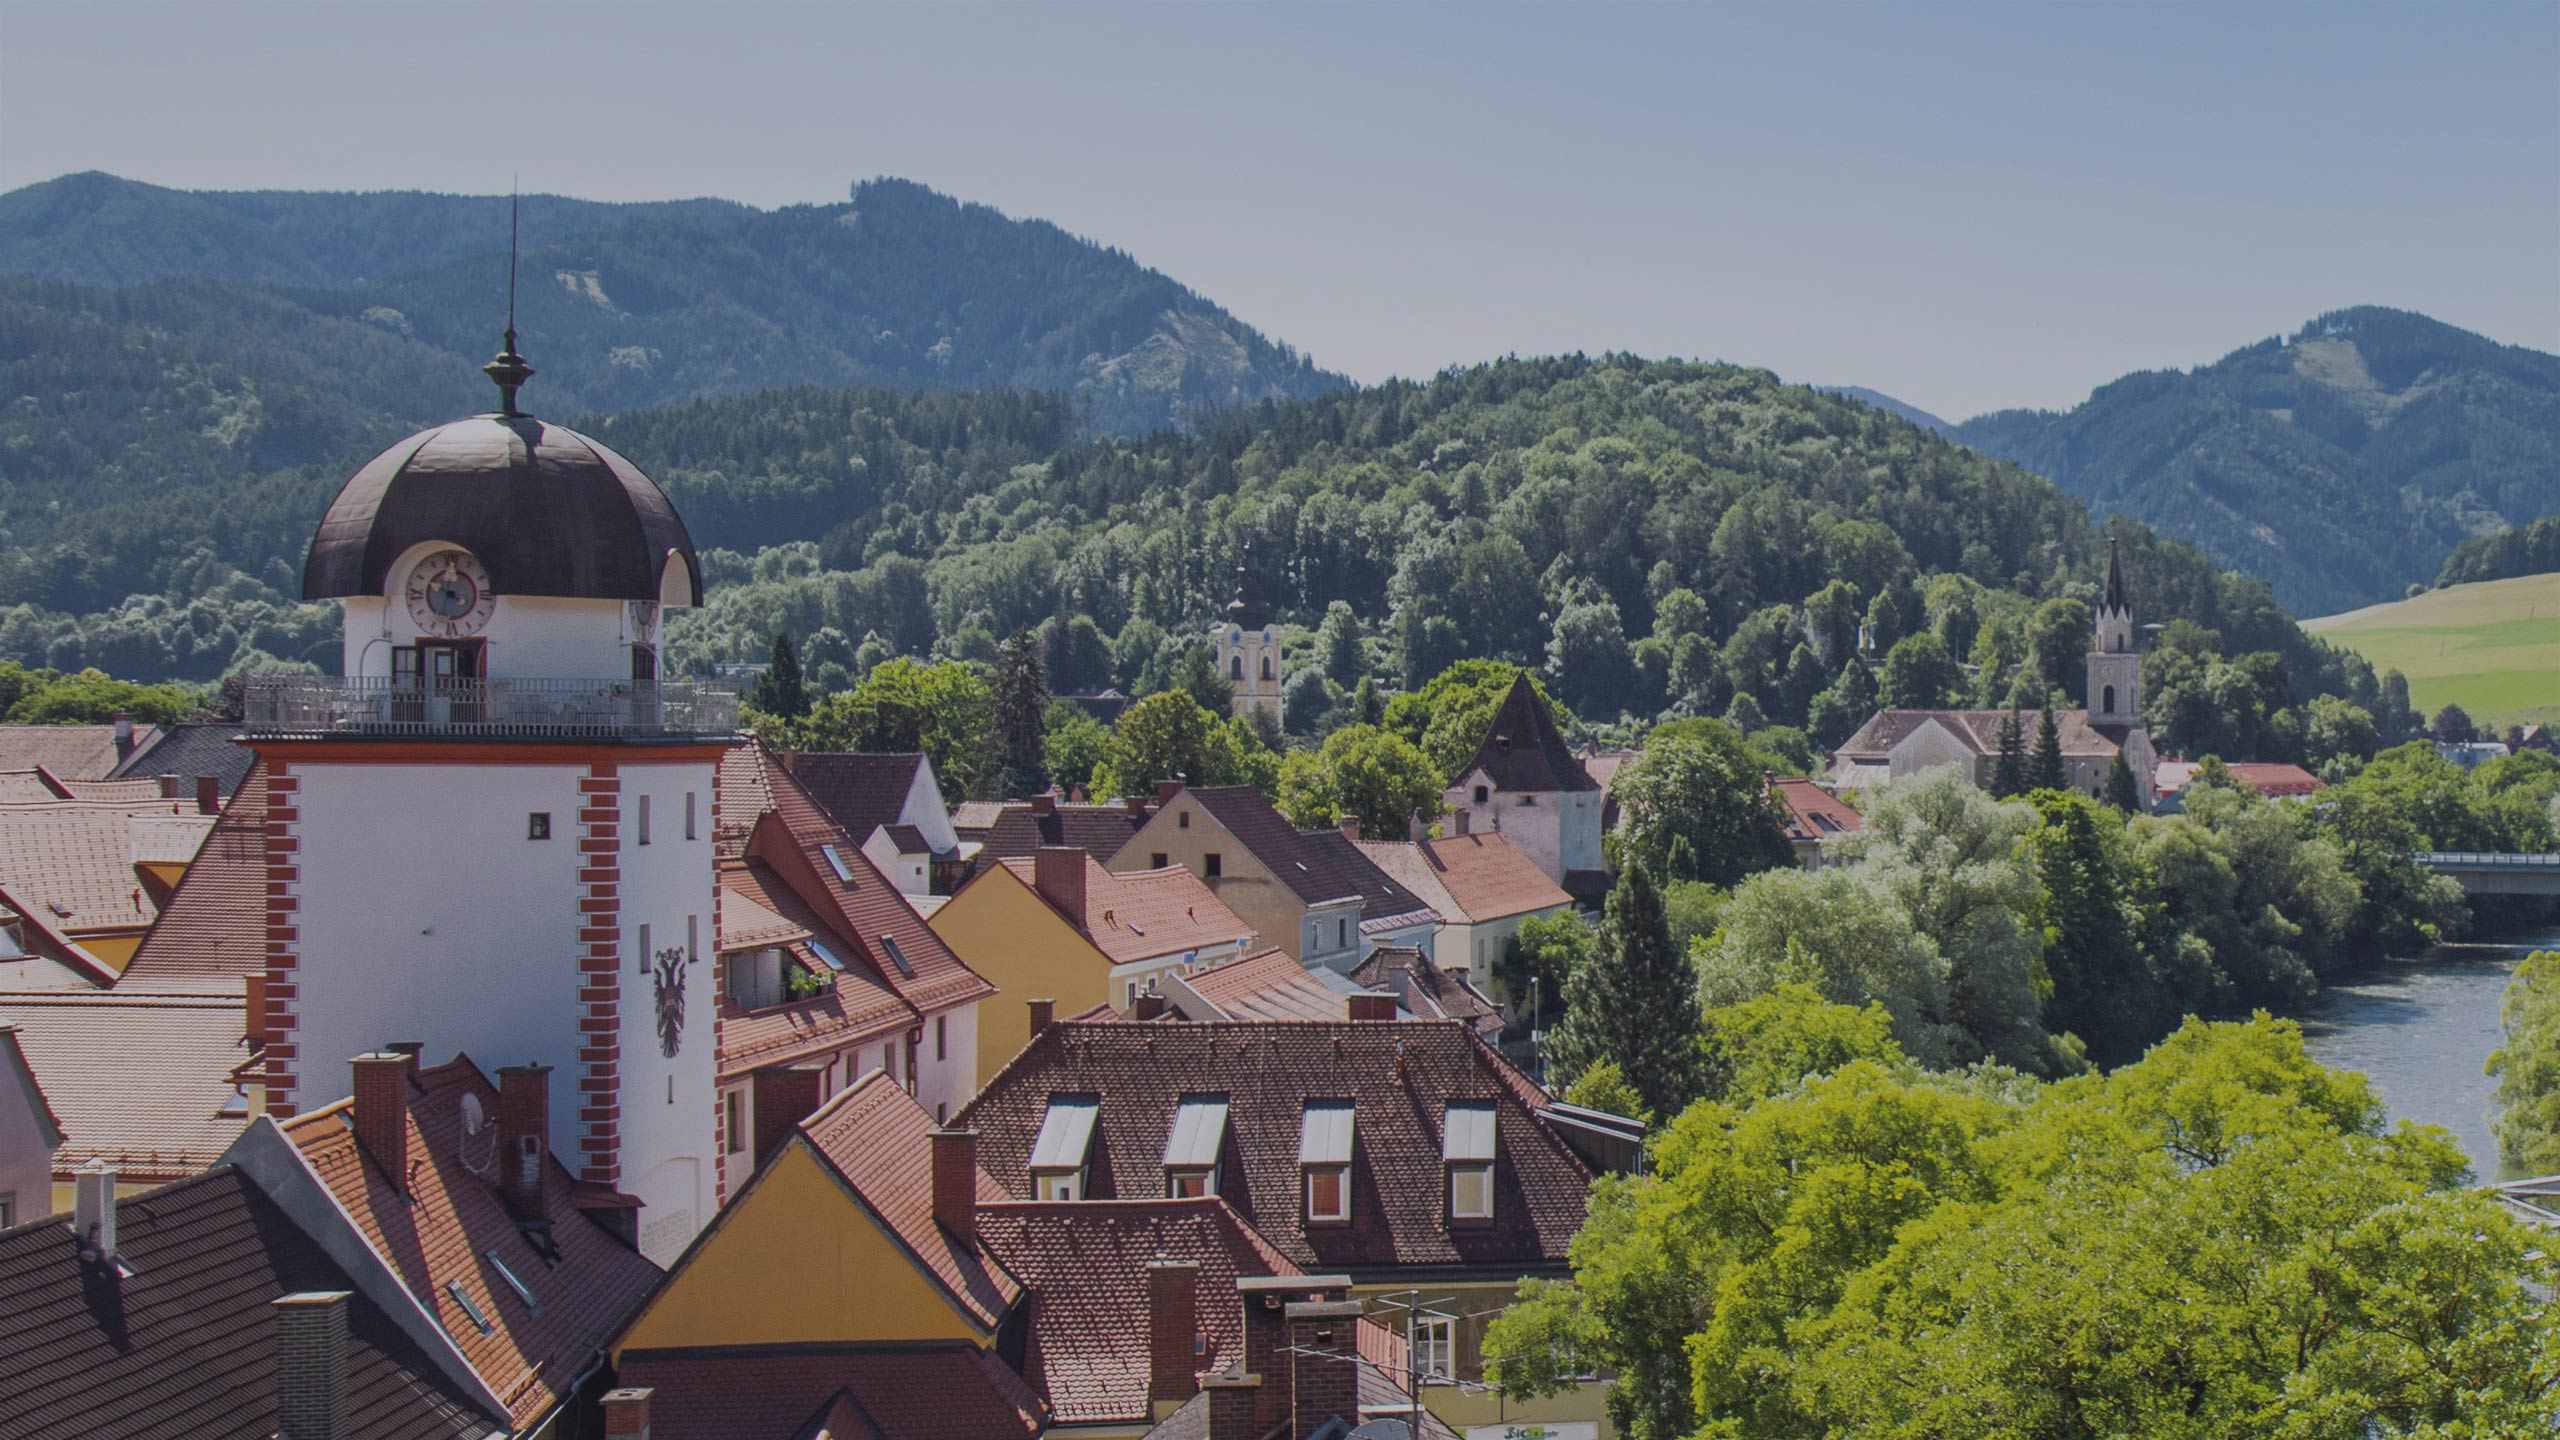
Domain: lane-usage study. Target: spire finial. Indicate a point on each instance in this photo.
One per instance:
(509, 369)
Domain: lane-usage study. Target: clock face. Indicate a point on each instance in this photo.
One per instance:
(449, 595)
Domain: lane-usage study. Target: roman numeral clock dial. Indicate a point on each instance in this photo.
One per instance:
(449, 595)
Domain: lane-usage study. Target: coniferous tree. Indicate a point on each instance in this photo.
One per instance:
(1021, 700)
(2009, 776)
(2045, 771)
(2121, 791)
(1635, 1003)
(780, 691)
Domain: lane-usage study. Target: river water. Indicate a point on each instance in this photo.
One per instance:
(2421, 1030)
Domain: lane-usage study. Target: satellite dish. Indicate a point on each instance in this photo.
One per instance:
(479, 1147)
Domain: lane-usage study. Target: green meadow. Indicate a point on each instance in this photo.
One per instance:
(2491, 648)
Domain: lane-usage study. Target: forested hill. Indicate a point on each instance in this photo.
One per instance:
(627, 305)
(2341, 463)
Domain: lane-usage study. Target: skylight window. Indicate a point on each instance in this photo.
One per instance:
(819, 948)
(836, 861)
(479, 1317)
(518, 1286)
(897, 956)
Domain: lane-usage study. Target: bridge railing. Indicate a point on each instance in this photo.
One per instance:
(2484, 859)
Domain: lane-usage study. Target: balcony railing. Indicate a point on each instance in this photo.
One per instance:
(304, 705)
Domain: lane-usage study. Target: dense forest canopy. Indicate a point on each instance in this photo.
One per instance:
(2521, 550)
(2290, 457)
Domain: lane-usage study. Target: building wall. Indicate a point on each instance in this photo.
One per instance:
(534, 636)
(1274, 911)
(925, 811)
(1931, 746)
(667, 1113)
(1464, 1405)
(1329, 935)
(26, 1154)
(910, 874)
(1477, 948)
(1002, 929)
(1243, 658)
(797, 1261)
(947, 1063)
(1559, 830)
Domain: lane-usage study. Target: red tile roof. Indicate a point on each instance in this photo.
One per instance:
(1267, 985)
(72, 752)
(442, 1232)
(1400, 1076)
(75, 858)
(1814, 813)
(185, 1344)
(757, 909)
(215, 924)
(1085, 1263)
(1144, 914)
(1427, 991)
(878, 1138)
(138, 1079)
(1020, 829)
(952, 1391)
(2279, 781)
(1469, 879)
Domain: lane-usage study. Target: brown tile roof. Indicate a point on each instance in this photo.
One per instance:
(1085, 1263)
(952, 1391)
(443, 1231)
(138, 1079)
(1603, 765)
(1316, 865)
(860, 792)
(1814, 813)
(1469, 879)
(215, 924)
(879, 1139)
(1523, 751)
(1979, 732)
(75, 858)
(71, 752)
(1268, 985)
(2277, 780)
(971, 818)
(1143, 914)
(1400, 1077)
(793, 836)
(1019, 830)
(185, 1345)
(1428, 991)
(857, 1003)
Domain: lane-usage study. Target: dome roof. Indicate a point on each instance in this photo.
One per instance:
(547, 510)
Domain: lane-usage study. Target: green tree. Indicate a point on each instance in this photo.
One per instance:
(1848, 703)
(1765, 1046)
(1604, 1087)
(1847, 939)
(1361, 772)
(2452, 725)
(944, 709)
(2104, 987)
(1541, 956)
(2528, 1066)
(2122, 793)
(1634, 1002)
(90, 697)
(2009, 772)
(1304, 702)
(1919, 674)
(1021, 699)
(1195, 674)
(779, 691)
(1071, 743)
(1697, 784)
(1168, 736)
(2045, 770)
(1338, 644)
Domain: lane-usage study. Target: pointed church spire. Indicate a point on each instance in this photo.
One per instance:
(2115, 598)
(508, 369)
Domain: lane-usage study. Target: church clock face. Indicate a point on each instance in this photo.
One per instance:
(449, 595)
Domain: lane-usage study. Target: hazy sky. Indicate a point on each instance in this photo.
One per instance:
(1968, 206)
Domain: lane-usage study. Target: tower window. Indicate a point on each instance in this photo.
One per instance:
(689, 799)
(2109, 707)
(1266, 667)
(644, 819)
(1235, 667)
(644, 949)
(537, 826)
(1212, 865)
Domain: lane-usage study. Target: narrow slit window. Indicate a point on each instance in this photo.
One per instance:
(644, 819)
(689, 807)
(645, 955)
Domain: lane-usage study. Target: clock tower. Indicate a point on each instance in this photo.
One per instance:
(491, 832)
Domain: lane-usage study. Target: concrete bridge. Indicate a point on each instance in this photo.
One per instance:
(2493, 873)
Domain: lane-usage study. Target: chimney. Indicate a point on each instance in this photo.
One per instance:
(524, 1136)
(1458, 822)
(1416, 829)
(1166, 790)
(626, 1413)
(93, 1211)
(1149, 1006)
(1173, 1330)
(1266, 1300)
(1231, 1402)
(168, 785)
(208, 795)
(1371, 1005)
(955, 1183)
(382, 1111)
(311, 1365)
(1058, 871)
(1350, 827)
(1045, 803)
(1043, 1011)
(1326, 1378)
(1136, 805)
(123, 734)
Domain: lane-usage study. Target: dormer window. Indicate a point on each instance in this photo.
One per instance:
(1466, 1148)
(1063, 1149)
(1324, 1157)
(1192, 1147)
(755, 979)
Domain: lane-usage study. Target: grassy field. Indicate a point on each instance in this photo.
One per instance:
(2491, 648)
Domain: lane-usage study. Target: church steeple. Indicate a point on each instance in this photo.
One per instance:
(2114, 598)
(2115, 671)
